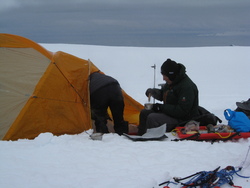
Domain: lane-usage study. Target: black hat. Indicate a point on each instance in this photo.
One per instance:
(170, 69)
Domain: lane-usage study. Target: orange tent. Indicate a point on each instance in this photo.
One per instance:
(43, 91)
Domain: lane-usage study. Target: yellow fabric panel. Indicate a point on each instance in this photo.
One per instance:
(21, 69)
(15, 41)
(132, 109)
(76, 73)
(56, 105)
(43, 115)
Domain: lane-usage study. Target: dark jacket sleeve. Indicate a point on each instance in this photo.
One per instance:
(157, 94)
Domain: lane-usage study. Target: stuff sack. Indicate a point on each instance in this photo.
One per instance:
(237, 120)
(204, 118)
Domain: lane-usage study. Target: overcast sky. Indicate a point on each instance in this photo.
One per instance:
(162, 23)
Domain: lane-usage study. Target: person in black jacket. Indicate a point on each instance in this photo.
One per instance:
(179, 96)
(105, 92)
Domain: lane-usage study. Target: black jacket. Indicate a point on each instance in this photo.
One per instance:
(98, 80)
(180, 99)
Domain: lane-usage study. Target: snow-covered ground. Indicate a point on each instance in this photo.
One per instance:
(222, 76)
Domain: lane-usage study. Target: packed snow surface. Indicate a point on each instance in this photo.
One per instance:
(222, 76)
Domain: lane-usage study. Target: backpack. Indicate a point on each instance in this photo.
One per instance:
(244, 107)
(204, 118)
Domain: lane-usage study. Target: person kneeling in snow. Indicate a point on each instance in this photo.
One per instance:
(105, 92)
(179, 96)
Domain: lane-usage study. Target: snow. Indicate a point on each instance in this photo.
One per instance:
(222, 76)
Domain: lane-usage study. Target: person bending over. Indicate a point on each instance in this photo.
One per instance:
(105, 92)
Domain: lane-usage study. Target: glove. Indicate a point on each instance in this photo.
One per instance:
(157, 107)
(149, 92)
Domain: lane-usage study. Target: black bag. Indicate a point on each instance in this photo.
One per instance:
(244, 107)
(204, 118)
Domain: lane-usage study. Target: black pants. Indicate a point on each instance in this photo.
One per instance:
(108, 96)
(150, 119)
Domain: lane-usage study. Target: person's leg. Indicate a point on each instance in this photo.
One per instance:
(100, 123)
(142, 128)
(99, 106)
(116, 104)
(158, 119)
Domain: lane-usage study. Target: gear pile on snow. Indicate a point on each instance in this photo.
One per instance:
(208, 179)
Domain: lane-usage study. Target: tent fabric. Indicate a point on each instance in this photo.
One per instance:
(17, 86)
(15, 41)
(43, 91)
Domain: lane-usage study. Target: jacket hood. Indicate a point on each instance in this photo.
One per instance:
(180, 75)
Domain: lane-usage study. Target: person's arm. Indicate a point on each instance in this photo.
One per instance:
(155, 93)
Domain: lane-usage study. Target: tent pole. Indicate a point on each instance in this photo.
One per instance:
(154, 67)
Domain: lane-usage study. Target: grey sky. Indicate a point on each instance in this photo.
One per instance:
(163, 23)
